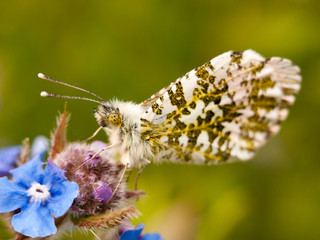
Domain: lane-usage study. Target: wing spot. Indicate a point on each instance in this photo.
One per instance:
(185, 111)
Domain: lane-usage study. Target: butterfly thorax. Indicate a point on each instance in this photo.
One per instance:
(121, 121)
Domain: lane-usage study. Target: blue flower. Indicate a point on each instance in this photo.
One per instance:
(135, 234)
(39, 145)
(8, 157)
(152, 236)
(38, 194)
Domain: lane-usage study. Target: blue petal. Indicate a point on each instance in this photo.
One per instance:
(152, 236)
(52, 173)
(54, 178)
(40, 144)
(34, 220)
(12, 196)
(60, 201)
(133, 234)
(28, 172)
(8, 157)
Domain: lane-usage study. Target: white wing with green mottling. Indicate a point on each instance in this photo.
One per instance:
(226, 108)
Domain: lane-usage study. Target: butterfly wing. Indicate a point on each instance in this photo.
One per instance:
(149, 102)
(226, 108)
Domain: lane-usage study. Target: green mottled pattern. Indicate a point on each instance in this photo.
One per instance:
(226, 108)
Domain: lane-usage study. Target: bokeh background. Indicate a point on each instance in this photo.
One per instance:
(130, 50)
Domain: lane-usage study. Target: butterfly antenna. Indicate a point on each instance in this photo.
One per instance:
(42, 76)
(50, 95)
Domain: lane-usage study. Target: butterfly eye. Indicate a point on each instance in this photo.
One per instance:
(115, 118)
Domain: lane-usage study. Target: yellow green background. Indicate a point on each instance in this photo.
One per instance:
(130, 50)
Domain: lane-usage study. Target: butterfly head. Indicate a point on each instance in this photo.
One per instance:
(108, 116)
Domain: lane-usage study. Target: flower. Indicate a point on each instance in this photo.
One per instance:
(8, 158)
(103, 199)
(38, 194)
(135, 234)
(152, 236)
(40, 144)
(97, 179)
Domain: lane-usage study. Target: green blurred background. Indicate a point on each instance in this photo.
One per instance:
(130, 50)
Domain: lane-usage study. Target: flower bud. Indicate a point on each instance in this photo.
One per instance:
(97, 179)
(102, 192)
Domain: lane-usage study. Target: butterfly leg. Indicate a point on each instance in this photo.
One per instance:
(138, 174)
(93, 135)
(92, 231)
(94, 155)
(120, 180)
(129, 175)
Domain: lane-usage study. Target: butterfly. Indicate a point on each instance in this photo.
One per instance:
(221, 111)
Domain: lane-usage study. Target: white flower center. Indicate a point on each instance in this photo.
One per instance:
(38, 192)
